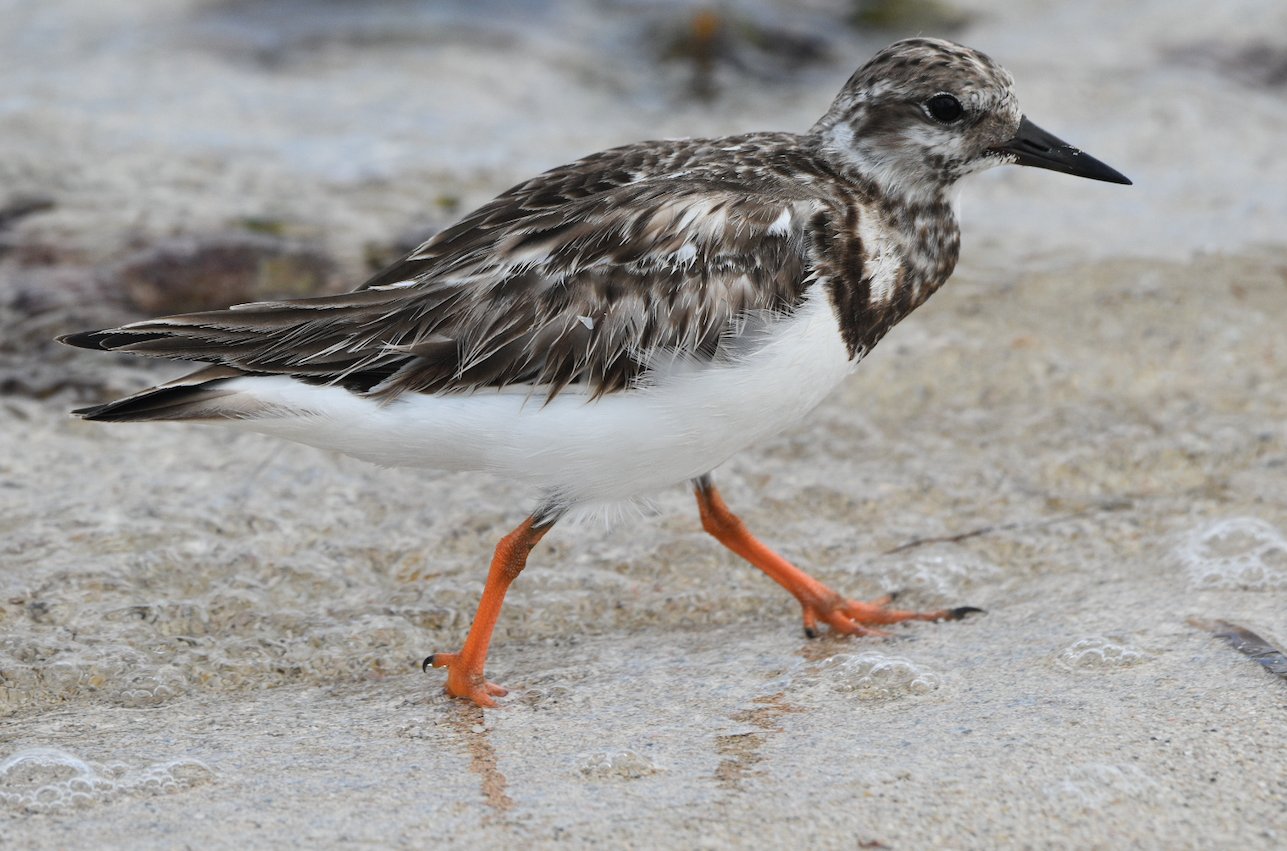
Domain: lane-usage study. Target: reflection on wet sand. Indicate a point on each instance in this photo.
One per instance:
(741, 751)
(470, 726)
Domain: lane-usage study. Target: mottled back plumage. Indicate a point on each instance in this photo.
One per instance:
(591, 273)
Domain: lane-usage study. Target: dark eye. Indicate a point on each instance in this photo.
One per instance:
(944, 108)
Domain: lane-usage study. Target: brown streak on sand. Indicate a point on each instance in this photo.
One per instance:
(482, 758)
(741, 751)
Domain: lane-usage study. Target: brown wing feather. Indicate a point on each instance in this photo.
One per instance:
(582, 275)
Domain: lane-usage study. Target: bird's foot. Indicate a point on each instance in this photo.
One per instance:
(820, 603)
(851, 617)
(464, 682)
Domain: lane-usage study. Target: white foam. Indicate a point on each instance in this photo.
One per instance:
(48, 779)
(1097, 653)
(615, 765)
(1095, 785)
(1234, 554)
(875, 676)
(940, 571)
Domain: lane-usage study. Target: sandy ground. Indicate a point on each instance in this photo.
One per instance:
(210, 639)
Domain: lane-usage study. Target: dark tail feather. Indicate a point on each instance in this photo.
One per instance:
(162, 403)
(85, 340)
(198, 396)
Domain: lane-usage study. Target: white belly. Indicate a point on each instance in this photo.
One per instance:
(616, 447)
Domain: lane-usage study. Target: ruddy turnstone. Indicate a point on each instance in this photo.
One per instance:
(628, 321)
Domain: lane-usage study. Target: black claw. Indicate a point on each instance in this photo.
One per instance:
(810, 632)
(961, 611)
(427, 663)
(894, 595)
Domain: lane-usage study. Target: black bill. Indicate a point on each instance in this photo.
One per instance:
(1034, 146)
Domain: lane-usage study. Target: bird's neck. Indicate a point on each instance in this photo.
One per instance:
(931, 240)
(897, 177)
(917, 220)
(914, 228)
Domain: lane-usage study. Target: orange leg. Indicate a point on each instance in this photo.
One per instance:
(465, 677)
(820, 602)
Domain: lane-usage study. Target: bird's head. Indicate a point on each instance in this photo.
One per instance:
(924, 113)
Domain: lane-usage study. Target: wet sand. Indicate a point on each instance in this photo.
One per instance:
(262, 609)
(211, 639)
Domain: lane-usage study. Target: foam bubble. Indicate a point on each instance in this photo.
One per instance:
(875, 676)
(547, 697)
(151, 686)
(615, 765)
(1094, 785)
(17, 681)
(48, 779)
(417, 728)
(1237, 553)
(937, 571)
(1097, 653)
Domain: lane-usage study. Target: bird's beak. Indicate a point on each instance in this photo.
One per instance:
(1034, 146)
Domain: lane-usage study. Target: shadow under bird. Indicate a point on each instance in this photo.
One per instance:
(628, 321)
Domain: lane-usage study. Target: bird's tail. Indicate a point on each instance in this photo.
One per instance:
(202, 395)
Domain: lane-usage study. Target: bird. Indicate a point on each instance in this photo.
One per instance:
(628, 321)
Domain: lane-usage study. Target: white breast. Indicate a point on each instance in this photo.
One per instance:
(882, 262)
(616, 447)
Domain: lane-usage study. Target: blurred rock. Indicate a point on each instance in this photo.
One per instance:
(909, 17)
(1261, 64)
(42, 299)
(1258, 64)
(38, 303)
(209, 272)
(713, 41)
(380, 255)
(21, 206)
(281, 33)
(13, 210)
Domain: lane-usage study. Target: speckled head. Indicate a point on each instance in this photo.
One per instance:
(924, 113)
(920, 115)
